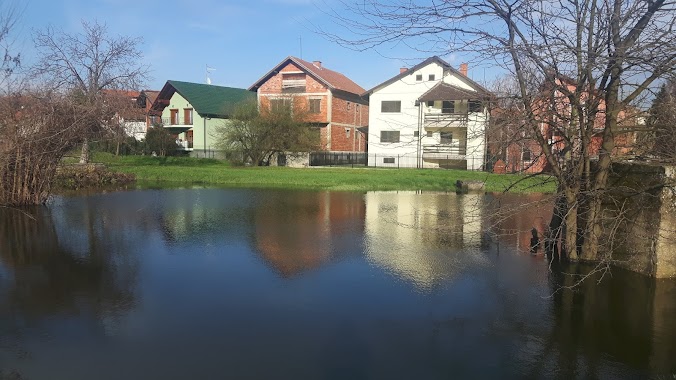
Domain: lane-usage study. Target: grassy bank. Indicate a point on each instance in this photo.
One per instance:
(185, 170)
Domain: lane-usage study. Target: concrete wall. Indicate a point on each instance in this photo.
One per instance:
(640, 219)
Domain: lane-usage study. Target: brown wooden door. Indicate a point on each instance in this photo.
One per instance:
(174, 117)
(188, 138)
(187, 116)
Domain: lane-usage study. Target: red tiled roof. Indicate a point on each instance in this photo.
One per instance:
(332, 79)
(151, 94)
(127, 93)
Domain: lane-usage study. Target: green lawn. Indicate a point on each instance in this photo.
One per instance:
(184, 170)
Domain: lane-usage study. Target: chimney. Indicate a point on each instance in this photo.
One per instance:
(403, 70)
(463, 69)
(318, 64)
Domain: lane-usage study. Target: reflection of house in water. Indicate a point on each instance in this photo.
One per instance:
(417, 235)
(511, 217)
(300, 231)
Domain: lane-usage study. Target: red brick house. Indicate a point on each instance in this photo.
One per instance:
(513, 149)
(332, 100)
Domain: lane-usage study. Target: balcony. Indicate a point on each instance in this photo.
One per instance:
(184, 145)
(176, 121)
(446, 152)
(445, 120)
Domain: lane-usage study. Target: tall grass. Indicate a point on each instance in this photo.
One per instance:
(205, 171)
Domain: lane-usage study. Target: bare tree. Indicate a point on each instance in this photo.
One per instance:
(256, 133)
(578, 65)
(85, 65)
(38, 130)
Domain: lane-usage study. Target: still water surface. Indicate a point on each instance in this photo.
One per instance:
(258, 284)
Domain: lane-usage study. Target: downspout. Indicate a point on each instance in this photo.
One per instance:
(419, 142)
(205, 136)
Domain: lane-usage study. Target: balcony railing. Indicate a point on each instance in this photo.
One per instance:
(176, 121)
(440, 120)
(184, 145)
(441, 151)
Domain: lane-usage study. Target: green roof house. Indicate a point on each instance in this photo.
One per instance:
(193, 112)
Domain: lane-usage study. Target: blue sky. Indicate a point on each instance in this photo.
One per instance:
(241, 39)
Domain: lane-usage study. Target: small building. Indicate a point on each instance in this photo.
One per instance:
(193, 112)
(428, 116)
(332, 100)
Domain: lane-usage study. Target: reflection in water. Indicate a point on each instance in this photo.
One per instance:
(212, 283)
(48, 278)
(511, 218)
(301, 232)
(419, 236)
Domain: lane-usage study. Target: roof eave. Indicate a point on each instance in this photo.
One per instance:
(408, 72)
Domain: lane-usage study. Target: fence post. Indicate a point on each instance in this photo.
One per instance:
(397, 161)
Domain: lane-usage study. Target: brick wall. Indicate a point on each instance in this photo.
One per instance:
(345, 116)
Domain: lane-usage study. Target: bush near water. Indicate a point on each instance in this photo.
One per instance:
(81, 176)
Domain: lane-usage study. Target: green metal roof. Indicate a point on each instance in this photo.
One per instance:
(209, 100)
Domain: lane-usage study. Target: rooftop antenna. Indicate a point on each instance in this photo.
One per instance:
(209, 70)
(300, 42)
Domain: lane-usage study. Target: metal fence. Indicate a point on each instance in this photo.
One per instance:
(385, 160)
(337, 159)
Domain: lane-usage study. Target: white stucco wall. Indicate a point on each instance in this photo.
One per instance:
(407, 90)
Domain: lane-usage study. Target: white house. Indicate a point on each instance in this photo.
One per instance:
(431, 115)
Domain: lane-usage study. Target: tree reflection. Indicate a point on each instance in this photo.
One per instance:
(627, 316)
(47, 279)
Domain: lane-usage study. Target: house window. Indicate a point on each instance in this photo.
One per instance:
(390, 106)
(430, 103)
(174, 117)
(388, 160)
(389, 136)
(446, 137)
(280, 105)
(525, 156)
(416, 134)
(315, 105)
(418, 78)
(448, 106)
(431, 77)
(293, 82)
(430, 134)
(475, 106)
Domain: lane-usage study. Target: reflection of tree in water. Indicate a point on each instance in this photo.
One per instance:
(627, 316)
(47, 280)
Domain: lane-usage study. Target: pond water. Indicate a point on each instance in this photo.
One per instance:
(261, 284)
